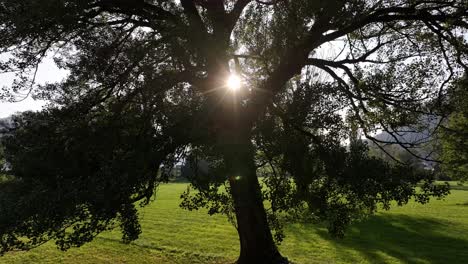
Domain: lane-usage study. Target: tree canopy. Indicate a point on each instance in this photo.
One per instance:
(454, 136)
(147, 87)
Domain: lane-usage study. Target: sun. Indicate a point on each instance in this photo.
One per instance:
(233, 82)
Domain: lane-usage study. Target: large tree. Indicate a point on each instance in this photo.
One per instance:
(454, 135)
(147, 85)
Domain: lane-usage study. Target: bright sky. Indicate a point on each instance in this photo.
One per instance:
(47, 73)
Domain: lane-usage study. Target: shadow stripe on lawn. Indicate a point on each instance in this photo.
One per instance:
(170, 251)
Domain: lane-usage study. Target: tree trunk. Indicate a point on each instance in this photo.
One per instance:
(232, 127)
(256, 242)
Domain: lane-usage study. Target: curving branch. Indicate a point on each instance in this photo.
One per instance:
(235, 13)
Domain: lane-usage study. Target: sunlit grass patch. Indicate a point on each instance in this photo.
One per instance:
(433, 233)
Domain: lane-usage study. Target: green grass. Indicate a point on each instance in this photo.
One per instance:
(455, 185)
(433, 233)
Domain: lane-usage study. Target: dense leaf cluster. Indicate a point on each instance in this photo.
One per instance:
(454, 136)
(318, 174)
(74, 173)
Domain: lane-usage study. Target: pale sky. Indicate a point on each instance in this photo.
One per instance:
(46, 73)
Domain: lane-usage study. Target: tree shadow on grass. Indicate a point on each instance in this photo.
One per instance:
(399, 237)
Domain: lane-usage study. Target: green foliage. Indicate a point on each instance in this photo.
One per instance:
(331, 183)
(454, 136)
(341, 191)
(396, 152)
(73, 174)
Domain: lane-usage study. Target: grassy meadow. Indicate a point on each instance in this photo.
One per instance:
(433, 233)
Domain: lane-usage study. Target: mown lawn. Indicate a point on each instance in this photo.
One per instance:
(434, 233)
